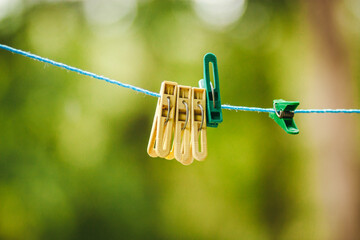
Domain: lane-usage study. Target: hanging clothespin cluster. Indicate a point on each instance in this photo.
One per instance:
(179, 126)
(182, 115)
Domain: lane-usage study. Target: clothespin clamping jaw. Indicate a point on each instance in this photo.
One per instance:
(284, 115)
(213, 100)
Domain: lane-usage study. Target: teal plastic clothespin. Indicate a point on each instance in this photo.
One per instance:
(213, 100)
(284, 115)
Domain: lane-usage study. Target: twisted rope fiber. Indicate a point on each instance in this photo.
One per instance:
(153, 94)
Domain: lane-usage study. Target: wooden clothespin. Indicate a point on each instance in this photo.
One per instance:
(182, 135)
(163, 124)
(198, 123)
(183, 114)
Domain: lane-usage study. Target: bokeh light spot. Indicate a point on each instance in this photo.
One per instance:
(219, 14)
(8, 7)
(111, 12)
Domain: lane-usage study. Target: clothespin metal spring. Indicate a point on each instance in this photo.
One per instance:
(187, 115)
(168, 112)
(283, 114)
(202, 117)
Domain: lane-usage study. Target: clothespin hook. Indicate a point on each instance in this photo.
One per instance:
(168, 112)
(202, 116)
(213, 94)
(274, 106)
(187, 115)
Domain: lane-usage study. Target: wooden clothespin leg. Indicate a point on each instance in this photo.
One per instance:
(182, 135)
(151, 144)
(198, 123)
(163, 124)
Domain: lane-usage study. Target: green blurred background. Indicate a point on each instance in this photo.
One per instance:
(73, 161)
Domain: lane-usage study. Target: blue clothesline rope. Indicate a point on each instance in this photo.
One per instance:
(154, 94)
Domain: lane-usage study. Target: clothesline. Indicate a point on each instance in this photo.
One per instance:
(154, 94)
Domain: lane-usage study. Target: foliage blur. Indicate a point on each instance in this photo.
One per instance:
(73, 161)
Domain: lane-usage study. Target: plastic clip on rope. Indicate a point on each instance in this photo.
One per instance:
(284, 115)
(213, 99)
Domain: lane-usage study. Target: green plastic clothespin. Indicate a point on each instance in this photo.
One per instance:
(213, 100)
(284, 115)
